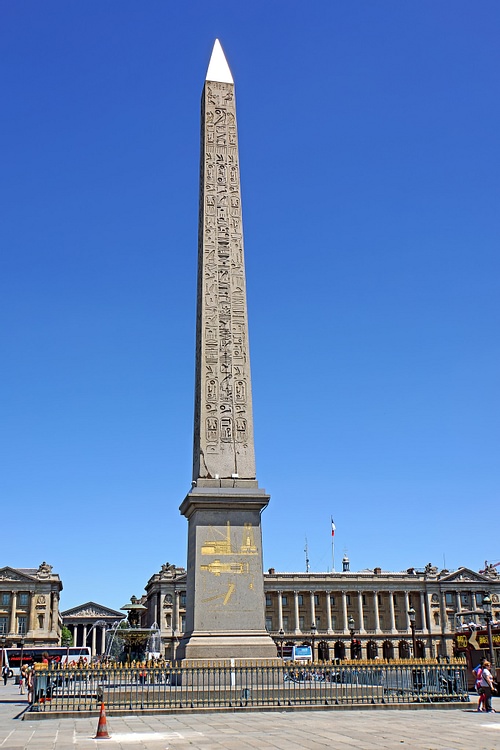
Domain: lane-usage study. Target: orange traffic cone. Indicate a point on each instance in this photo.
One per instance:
(102, 727)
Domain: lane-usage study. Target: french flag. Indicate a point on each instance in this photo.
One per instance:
(333, 528)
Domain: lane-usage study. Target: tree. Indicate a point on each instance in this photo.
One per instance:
(66, 637)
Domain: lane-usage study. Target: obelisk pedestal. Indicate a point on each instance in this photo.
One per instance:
(225, 589)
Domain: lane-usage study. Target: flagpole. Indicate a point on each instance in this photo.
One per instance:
(333, 545)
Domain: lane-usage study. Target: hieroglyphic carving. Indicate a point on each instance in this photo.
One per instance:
(223, 443)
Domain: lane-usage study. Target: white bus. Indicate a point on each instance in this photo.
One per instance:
(35, 655)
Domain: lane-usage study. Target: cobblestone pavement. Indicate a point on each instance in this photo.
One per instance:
(427, 729)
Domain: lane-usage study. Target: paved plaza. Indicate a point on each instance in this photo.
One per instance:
(427, 729)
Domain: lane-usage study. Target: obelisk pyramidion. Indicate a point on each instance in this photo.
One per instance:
(225, 592)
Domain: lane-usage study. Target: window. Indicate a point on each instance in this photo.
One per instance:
(395, 600)
(183, 623)
(268, 601)
(363, 599)
(301, 600)
(348, 599)
(301, 622)
(450, 599)
(379, 599)
(316, 600)
(465, 600)
(332, 600)
(285, 623)
(318, 622)
(5, 598)
(284, 600)
(183, 598)
(23, 599)
(4, 625)
(334, 623)
(22, 622)
(269, 623)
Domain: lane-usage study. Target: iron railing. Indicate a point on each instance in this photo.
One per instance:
(246, 685)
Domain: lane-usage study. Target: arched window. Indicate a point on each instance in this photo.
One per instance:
(388, 650)
(404, 650)
(323, 653)
(420, 650)
(371, 650)
(339, 650)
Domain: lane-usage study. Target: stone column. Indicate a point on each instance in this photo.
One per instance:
(296, 611)
(280, 610)
(313, 610)
(94, 641)
(392, 616)
(375, 612)
(422, 609)
(75, 635)
(32, 612)
(175, 613)
(444, 613)
(13, 610)
(329, 612)
(84, 635)
(103, 639)
(54, 610)
(344, 612)
(361, 614)
(407, 607)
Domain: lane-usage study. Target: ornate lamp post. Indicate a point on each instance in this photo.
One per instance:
(22, 654)
(281, 634)
(314, 630)
(488, 618)
(2, 652)
(411, 615)
(352, 626)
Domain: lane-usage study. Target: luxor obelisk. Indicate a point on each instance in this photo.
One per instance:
(225, 591)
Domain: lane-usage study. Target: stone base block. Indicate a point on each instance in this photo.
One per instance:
(251, 645)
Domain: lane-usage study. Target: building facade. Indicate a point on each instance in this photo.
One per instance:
(88, 624)
(377, 613)
(29, 606)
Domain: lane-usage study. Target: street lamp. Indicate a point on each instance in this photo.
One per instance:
(22, 654)
(314, 630)
(281, 634)
(411, 615)
(2, 652)
(352, 626)
(488, 618)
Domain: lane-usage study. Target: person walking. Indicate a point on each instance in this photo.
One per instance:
(5, 673)
(482, 697)
(487, 686)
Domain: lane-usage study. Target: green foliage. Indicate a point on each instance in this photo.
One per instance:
(66, 637)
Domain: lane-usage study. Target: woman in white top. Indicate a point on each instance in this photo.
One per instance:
(487, 685)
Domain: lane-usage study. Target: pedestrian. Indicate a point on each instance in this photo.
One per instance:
(482, 697)
(5, 673)
(487, 686)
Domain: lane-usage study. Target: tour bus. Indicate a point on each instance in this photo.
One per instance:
(34, 655)
(473, 643)
(296, 653)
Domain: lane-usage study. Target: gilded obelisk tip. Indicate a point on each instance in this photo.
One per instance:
(218, 69)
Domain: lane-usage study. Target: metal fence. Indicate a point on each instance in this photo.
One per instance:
(255, 686)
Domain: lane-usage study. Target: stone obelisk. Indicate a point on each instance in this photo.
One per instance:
(225, 591)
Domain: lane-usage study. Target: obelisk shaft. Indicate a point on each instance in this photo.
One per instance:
(225, 588)
(223, 434)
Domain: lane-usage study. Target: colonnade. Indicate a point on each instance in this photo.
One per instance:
(357, 609)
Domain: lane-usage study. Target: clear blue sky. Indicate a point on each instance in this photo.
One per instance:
(370, 152)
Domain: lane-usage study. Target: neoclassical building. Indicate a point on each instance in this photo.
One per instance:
(29, 606)
(375, 609)
(88, 624)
